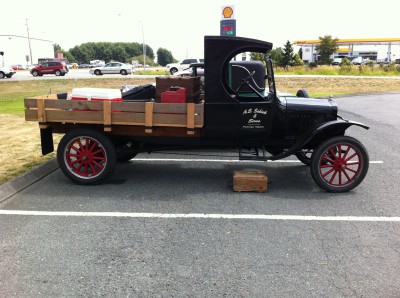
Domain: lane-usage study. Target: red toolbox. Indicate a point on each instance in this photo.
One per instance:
(174, 95)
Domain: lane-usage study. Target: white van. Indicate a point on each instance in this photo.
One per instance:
(358, 61)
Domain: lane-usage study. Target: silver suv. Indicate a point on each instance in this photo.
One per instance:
(174, 67)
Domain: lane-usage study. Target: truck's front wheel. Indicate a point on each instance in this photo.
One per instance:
(339, 164)
(86, 156)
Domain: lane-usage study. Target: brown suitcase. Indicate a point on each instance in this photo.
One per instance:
(250, 180)
(191, 84)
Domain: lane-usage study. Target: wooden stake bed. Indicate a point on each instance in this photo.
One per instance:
(48, 110)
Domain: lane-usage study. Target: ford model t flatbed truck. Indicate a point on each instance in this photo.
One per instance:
(250, 116)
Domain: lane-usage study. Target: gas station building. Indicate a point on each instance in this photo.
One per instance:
(377, 49)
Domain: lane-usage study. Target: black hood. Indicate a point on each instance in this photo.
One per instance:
(310, 105)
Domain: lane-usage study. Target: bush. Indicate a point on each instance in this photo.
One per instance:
(345, 66)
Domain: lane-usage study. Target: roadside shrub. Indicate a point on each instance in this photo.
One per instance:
(345, 65)
(312, 64)
(391, 66)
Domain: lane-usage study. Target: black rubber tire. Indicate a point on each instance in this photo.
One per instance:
(173, 70)
(123, 72)
(302, 93)
(332, 157)
(2, 75)
(87, 150)
(97, 72)
(304, 157)
(57, 73)
(35, 73)
(9, 76)
(126, 152)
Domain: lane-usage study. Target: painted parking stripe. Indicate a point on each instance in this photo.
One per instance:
(227, 160)
(201, 216)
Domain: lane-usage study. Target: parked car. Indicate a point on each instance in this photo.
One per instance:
(112, 68)
(17, 67)
(73, 65)
(337, 61)
(174, 67)
(84, 65)
(6, 72)
(358, 61)
(56, 68)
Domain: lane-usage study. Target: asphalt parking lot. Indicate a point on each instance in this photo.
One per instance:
(170, 225)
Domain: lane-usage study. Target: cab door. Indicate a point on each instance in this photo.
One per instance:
(255, 119)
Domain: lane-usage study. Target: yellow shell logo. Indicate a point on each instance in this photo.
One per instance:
(227, 12)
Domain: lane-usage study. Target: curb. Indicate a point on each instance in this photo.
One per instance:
(14, 186)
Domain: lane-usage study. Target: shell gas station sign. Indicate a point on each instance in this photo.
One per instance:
(228, 21)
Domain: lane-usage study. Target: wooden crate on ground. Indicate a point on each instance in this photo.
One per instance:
(250, 180)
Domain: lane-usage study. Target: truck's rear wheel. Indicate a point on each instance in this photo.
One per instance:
(339, 164)
(86, 156)
(126, 151)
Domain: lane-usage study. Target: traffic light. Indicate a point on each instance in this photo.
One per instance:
(2, 53)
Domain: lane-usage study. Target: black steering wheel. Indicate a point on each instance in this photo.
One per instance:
(245, 81)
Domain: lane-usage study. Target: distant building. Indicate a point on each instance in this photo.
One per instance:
(16, 50)
(377, 49)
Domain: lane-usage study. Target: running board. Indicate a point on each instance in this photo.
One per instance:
(253, 154)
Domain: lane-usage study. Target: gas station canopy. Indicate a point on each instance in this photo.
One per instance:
(350, 43)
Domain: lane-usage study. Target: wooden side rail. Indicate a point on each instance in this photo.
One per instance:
(147, 114)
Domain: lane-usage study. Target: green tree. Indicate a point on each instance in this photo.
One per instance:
(107, 51)
(70, 57)
(300, 52)
(297, 60)
(287, 55)
(276, 56)
(57, 48)
(164, 57)
(327, 47)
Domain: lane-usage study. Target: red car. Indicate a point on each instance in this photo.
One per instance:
(56, 68)
(17, 67)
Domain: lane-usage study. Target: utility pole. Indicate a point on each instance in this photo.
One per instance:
(29, 40)
(144, 49)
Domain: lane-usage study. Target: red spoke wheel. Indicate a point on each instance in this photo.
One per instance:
(339, 164)
(86, 156)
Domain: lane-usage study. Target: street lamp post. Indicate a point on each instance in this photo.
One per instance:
(144, 49)
(29, 40)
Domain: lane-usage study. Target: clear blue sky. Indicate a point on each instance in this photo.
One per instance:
(180, 25)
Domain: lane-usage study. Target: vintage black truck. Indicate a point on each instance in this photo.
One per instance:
(249, 116)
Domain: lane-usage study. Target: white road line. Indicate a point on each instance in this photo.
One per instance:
(227, 160)
(201, 216)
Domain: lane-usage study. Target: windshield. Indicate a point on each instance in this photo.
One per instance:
(270, 76)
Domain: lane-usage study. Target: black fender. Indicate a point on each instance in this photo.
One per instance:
(331, 129)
